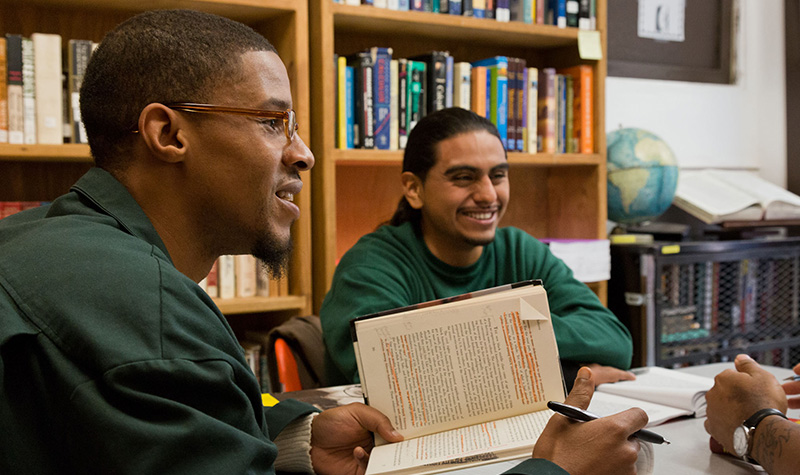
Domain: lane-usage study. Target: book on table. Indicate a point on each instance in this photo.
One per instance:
(465, 379)
(664, 394)
(716, 196)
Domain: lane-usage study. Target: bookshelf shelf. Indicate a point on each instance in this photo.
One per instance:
(356, 190)
(43, 172)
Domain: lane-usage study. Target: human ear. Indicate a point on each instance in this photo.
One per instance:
(161, 129)
(412, 189)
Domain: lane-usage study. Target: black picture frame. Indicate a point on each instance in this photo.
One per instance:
(705, 55)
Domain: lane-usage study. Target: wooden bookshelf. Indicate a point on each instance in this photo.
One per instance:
(43, 172)
(561, 196)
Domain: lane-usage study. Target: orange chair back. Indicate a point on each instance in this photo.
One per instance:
(287, 367)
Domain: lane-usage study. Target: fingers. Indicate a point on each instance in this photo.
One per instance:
(745, 364)
(582, 390)
(374, 421)
(362, 457)
(631, 420)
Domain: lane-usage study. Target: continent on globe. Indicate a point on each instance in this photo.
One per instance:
(642, 176)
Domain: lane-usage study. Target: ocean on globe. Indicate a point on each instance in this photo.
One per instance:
(642, 176)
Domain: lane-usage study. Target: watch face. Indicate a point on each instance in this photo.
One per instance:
(740, 441)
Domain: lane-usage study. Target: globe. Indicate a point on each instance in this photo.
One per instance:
(642, 176)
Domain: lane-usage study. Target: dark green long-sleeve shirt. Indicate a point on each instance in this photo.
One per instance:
(111, 360)
(392, 268)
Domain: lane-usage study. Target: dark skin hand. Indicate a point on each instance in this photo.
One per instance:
(606, 445)
(341, 438)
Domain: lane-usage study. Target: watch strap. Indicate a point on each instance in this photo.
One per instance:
(753, 421)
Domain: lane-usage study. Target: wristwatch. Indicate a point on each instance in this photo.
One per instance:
(743, 435)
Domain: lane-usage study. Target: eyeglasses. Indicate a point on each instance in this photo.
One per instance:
(289, 117)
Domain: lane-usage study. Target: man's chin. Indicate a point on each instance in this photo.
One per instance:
(274, 255)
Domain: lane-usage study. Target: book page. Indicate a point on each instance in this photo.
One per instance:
(714, 198)
(664, 386)
(489, 442)
(461, 363)
(606, 404)
(778, 202)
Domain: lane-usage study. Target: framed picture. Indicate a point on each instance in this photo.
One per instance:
(680, 40)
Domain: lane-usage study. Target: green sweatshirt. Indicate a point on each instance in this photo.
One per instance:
(111, 360)
(392, 267)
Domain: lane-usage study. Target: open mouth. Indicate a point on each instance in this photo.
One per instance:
(480, 215)
(285, 195)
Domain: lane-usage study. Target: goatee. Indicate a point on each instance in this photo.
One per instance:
(274, 256)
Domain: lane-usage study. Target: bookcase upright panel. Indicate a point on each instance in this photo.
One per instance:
(553, 195)
(43, 172)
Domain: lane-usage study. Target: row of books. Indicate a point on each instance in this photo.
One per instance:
(7, 208)
(241, 276)
(256, 347)
(562, 13)
(39, 90)
(380, 99)
(745, 298)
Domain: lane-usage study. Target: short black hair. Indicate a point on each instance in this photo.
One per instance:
(157, 56)
(420, 153)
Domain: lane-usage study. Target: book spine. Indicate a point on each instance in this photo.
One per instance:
(558, 13)
(341, 102)
(478, 90)
(403, 5)
(394, 126)
(466, 8)
(449, 63)
(540, 17)
(402, 102)
(511, 120)
(524, 107)
(532, 103)
(417, 94)
(444, 6)
(3, 92)
(362, 73)
(48, 88)
(502, 10)
(16, 108)
(78, 54)
(461, 86)
(28, 93)
(455, 7)
(547, 111)
(521, 103)
(381, 93)
(585, 15)
(436, 80)
(227, 277)
(561, 117)
(490, 9)
(572, 9)
(349, 101)
(583, 119)
(479, 8)
(212, 286)
(570, 112)
(245, 266)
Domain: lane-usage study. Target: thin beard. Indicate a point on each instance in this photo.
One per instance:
(273, 257)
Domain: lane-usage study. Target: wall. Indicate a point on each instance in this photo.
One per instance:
(732, 126)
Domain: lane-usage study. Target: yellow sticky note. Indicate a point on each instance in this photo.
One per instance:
(268, 400)
(589, 44)
(673, 249)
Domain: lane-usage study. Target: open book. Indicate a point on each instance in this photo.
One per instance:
(715, 196)
(466, 380)
(662, 393)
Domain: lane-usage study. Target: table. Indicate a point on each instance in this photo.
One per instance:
(688, 453)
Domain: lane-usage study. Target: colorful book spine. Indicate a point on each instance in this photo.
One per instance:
(349, 101)
(502, 11)
(455, 7)
(341, 102)
(547, 111)
(362, 83)
(478, 90)
(521, 103)
(16, 108)
(558, 13)
(511, 139)
(479, 8)
(403, 5)
(498, 86)
(449, 64)
(436, 79)
(382, 99)
(416, 95)
(585, 15)
(572, 9)
(583, 119)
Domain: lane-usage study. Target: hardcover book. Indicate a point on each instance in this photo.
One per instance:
(497, 105)
(436, 79)
(547, 110)
(362, 83)
(28, 93)
(3, 93)
(49, 90)
(583, 112)
(465, 379)
(15, 105)
(381, 96)
(78, 53)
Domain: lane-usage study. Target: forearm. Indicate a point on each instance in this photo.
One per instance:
(776, 445)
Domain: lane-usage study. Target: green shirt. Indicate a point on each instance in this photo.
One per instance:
(392, 267)
(112, 361)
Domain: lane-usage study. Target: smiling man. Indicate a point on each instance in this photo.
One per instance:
(444, 240)
(112, 358)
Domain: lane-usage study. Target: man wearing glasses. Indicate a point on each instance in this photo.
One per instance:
(112, 359)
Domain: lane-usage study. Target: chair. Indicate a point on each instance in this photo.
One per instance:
(296, 355)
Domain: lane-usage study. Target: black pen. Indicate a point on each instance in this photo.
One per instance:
(584, 416)
(794, 377)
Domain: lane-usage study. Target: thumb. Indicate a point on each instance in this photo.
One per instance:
(745, 364)
(582, 390)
